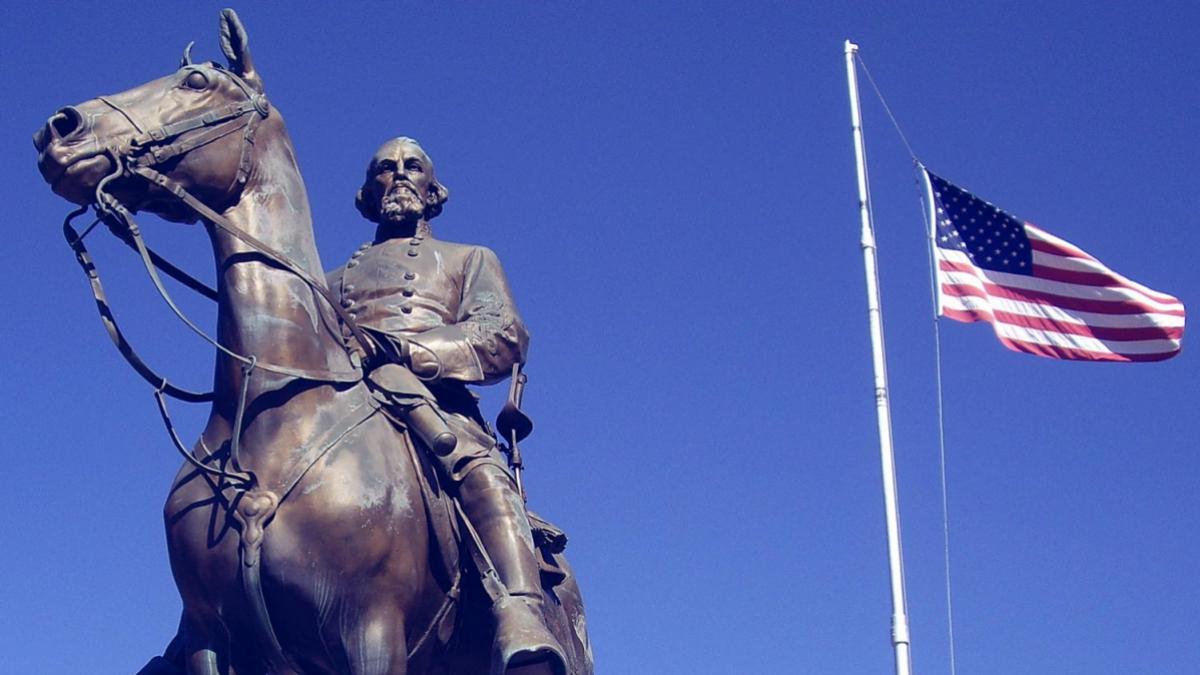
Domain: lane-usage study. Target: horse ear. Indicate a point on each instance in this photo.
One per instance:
(235, 44)
(187, 55)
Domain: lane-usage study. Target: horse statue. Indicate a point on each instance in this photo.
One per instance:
(307, 533)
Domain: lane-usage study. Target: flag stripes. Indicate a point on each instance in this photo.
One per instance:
(1041, 294)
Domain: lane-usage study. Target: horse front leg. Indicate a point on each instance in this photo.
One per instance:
(205, 645)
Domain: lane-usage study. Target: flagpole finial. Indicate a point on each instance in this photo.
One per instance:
(851, 48)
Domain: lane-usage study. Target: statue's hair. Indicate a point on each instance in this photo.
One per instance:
(438, 193)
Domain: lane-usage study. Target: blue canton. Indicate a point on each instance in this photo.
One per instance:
(991, 238)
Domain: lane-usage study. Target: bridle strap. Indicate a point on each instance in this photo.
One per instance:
(219, 221)
(134, 233)
(84, 258)
(153, 147)
(170, 269)
(158, 136)
(159, 152)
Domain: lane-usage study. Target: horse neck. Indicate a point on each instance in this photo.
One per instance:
(266, 311)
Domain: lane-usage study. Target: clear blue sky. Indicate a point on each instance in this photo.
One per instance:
(671, 189)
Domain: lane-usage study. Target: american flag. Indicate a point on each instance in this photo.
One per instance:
(1041, 294)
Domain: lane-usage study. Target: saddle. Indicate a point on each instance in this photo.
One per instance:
(405, 400)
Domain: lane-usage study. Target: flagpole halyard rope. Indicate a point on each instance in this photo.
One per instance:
(937, 339)
(887, 108)
(937, 347)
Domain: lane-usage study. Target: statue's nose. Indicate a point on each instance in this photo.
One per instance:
(62, 125)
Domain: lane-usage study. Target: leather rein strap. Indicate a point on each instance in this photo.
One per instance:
(150, 148)
(84, 258)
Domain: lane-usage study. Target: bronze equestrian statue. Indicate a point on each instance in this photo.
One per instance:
(345, 509)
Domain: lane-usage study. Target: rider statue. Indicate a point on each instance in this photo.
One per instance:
(442, 312)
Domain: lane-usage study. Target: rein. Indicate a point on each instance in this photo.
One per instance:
(139, 157)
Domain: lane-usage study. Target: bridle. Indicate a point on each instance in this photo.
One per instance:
(139, 156)
(153, 147)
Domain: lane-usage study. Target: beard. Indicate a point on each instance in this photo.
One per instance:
(401, 204)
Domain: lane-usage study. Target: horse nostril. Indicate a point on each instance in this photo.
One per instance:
(65, 122)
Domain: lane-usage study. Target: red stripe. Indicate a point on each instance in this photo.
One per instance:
(1077, 277)
(1127, 306)
(1085, 330)
(1050, 247)
(966, 316)
(1067, 250)
(1064, 248)
(1055, 352)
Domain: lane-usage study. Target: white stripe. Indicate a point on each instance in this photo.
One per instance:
(1087, 344)
(1052, 313)
(1060, 262)
(1021, 281)
(1064, 340)
(1085, 262)
(1035, 232)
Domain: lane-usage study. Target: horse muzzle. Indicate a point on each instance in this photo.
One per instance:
(71, 156)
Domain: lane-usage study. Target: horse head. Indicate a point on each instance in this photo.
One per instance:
(194, 126)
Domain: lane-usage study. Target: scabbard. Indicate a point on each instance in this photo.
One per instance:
(414, 404)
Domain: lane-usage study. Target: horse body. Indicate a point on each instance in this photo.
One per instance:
(327, 563)
(335, 560)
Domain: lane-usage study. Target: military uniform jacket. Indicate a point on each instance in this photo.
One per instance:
(450, 301)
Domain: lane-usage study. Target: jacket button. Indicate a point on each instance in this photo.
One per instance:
(412, 253)
(348, 288)
(408, 292)
(406, 309)
(347, 303)
(352, 264)
(410, 275)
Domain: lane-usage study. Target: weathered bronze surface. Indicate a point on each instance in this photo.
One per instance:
(316, 525)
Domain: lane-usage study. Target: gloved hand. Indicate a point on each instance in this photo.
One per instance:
(383, 349)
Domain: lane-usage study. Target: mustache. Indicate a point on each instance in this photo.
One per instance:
(402, 186)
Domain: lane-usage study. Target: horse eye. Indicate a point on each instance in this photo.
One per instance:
(195, 80)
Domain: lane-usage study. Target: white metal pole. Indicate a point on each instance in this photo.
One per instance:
(933, 260)
(900, 639)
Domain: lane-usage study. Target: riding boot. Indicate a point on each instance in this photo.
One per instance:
(496, 510)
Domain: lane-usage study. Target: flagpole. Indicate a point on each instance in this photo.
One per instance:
(900, 638)
(933, 258)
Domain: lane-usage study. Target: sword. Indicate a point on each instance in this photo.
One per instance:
(514, 425)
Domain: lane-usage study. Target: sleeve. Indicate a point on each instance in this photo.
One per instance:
(488, 336)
